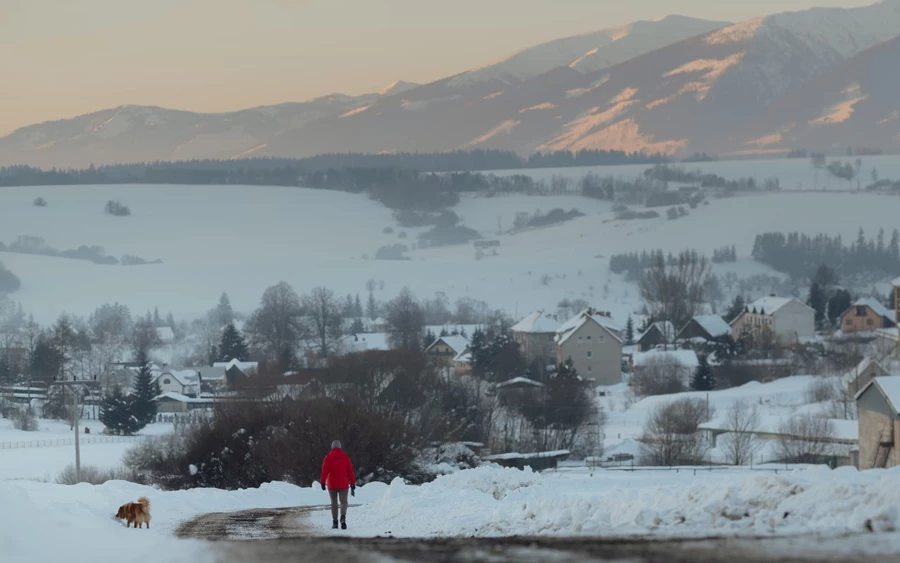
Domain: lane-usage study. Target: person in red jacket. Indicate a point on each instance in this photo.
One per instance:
(337, 473)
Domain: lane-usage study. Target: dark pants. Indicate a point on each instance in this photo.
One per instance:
(342, 493)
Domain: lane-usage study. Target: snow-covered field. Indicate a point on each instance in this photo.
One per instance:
(243, 239)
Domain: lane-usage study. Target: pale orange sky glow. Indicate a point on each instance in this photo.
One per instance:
(61, 58)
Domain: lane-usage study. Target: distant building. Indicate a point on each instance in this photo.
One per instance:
(166, 334)
(860, 376)
(177, 403)
(706, 328)
(593, 341)
(183, 382)
(878, 404)
(445, 349)
(535, 336)
(658, 334)
(867, 315)
(788, 319)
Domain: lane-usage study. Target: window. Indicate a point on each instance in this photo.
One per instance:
(590, 369)
(590, 354)
(861, 311)
(869, 322)
(579, 340)
(167, 381)
(589, 338)
(601, 338)
(848, 321)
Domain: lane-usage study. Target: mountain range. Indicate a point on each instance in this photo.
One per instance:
(820, 79)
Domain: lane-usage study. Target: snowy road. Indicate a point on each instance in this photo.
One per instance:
(282, 535)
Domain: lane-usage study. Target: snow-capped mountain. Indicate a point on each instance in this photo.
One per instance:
(592, 51)
(716, 92)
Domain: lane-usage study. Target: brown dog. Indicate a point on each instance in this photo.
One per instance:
(137, 513)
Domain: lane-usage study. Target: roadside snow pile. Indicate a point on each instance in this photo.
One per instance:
(448, 458)
(67, 531)
(501, 502)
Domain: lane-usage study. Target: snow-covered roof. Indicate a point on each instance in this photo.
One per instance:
(536, 323)
(715, 325)
(181, 398)
(184, 377)
(889, 387)
(684, 358)
(365, 342)
(865, 364)
(536, 455)
(520, 381)
(245, 367)
(844, 430)
(665, 327)
(210, 373)
(876, 306)
(456, 343)
(570, 327)
(896, 282)
(165, 333)
(769, 304)
(465, 356)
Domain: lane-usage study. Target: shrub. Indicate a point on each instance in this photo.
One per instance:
(670, 433)
(258, 442)
(658, 376)
(388, 230)
(392, 252)
(24, 420)
(804, 439)
(92, 475)
(40, 202)
(116, 208)
(821, 390)
(9, 282)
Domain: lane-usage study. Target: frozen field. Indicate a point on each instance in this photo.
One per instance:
(244, 239)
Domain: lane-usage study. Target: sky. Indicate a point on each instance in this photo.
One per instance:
(62, 58)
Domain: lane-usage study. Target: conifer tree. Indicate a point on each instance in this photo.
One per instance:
(703, 379)
(143, 407)
(232, 345)
(629, 331)
(116, 414)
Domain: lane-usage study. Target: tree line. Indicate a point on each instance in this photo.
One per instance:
(800, 255)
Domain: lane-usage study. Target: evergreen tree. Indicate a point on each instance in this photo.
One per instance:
(703, 379)
(223, 313)
(143, 407)
(157, 320)
(232, 345)
(428, 339)
(170, 320)
(371, 307)
(894, 246)
(444, 332)
(347, 307)
(357, 327)
(737, 307)
(629, 331)
(116, 414)
(839, 302)
(357, 308)
(818, 301)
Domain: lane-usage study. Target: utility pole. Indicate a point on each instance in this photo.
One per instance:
(75, 425)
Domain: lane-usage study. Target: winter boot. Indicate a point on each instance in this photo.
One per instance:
(344, 522)
(334, 524)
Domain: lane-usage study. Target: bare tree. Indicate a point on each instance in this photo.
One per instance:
(741, 444)
(406, 320)
(277, 327)
(671, 434)
(662, 375)
(674, 292)
(324, 318)
(804, 439)
(144, 338)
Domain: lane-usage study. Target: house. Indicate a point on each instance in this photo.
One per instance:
(462, 364)
(705, 328)
(356, 343)
(176, 402)
(878, 404)
(211, 379)
(867, 370)
(867, 315)
(166, 334)
(535, 336)
(658, 334)
(593, 341)
(681, 362)
(788, 319)
(380, 324)
(183, 382)
(446, 348)
(248, 369)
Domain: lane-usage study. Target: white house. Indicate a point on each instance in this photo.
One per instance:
(788, 318)
(183, 382)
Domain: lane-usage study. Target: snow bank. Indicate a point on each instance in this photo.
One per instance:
(500, 502)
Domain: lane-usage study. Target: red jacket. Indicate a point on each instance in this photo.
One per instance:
(337, 471)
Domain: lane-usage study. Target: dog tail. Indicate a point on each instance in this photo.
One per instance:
(145, 502)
